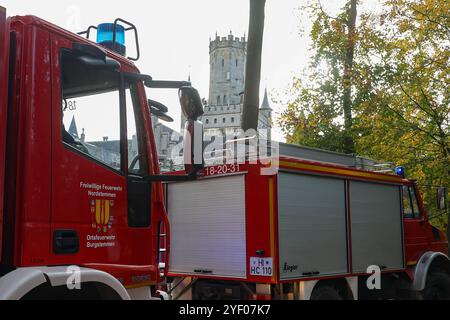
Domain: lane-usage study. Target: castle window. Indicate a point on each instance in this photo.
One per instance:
(223, 62)
(232, 120)
(237, 63)
(218, 100)
(225, 100)
(224, 120)
(207, 121)
(215, 121)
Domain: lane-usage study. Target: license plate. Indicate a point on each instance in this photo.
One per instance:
(261, 267)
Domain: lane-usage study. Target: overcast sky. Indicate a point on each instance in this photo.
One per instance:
(174, 36)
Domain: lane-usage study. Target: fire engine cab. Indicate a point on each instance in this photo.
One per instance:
(87, 214)
(79, 208)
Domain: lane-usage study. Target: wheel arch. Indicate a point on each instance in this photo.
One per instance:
(348, 287)
(16, 284)
(21, 282)
(429, 262)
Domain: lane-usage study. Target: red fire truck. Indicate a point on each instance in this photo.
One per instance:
(84, 211)
(318, 225)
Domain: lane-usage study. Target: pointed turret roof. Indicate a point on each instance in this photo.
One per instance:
(266, 103)
(73, 130)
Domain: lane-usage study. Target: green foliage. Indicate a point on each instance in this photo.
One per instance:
(400, 88)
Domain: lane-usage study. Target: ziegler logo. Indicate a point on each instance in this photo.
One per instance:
(288, 268)
(102, 215)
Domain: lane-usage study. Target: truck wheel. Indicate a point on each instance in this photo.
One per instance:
(438, 287)
(327, 293)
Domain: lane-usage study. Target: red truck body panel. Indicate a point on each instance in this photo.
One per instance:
(261, 212)
(4, 79)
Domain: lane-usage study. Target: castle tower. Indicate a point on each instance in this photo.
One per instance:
(223, 114)
(227, 61)
(224, 108)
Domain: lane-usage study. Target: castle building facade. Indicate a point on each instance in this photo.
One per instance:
(224, 107)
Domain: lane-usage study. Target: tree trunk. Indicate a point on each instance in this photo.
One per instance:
(349, 143)
(253, 69)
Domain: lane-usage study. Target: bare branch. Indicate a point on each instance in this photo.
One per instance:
(325, 13)
(412, 125)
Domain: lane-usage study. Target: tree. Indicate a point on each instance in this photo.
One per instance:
(253, 69)
(325, 100)
(399, 89)
(415, 108)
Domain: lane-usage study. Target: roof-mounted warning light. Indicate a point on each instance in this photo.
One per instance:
(105, 37)
(112, 36)
(401, 172)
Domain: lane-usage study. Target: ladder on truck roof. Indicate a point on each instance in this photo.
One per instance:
(311, 154)
(298, 152)
(348, 160)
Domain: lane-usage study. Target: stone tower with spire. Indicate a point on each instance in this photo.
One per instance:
(265, 117)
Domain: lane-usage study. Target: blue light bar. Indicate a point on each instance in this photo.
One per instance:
(401, 172)
(105, 37)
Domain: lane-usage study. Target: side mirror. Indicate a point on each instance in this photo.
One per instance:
(159, 110)
(192, 108)
(160, 115)
(191, 103)
(193, 147)
(442, 198)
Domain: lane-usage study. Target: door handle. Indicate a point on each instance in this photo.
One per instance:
(204, 271)
(66, 242)
(310, 274)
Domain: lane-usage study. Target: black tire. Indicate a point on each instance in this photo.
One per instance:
(438, 287)
(327, 293)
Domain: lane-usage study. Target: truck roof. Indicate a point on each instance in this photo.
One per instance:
(331, 157)
(331, 169)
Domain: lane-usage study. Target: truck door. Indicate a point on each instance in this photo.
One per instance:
(100, 208)
(416, 230)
